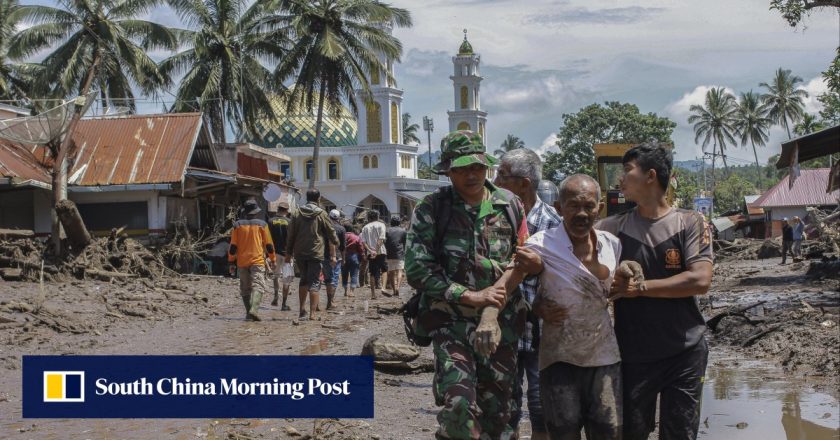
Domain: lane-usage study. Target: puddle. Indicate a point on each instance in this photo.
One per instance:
(751, 399)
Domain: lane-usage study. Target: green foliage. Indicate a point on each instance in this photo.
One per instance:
(716, 121)
(808, 124)
(511, 142)
(794, 10)
(751, 122)
(689, 185)
(424, 171)
(613, 122)
(729, 193)
(336, 49)
(409, 130)
(830, 114)
(784, 100)
(104, 38)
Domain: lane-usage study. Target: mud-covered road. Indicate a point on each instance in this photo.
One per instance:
(203, 315)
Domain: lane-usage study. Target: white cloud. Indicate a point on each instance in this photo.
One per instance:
(815, 88)
(679, 111)
(549, 144)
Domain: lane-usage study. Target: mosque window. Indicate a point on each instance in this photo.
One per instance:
(374, 77)
(463, 125)
(405, 161)
(374, 161)
(481, 129)
(374, 123)
(464, 97)
(286, 169)
(332, 168)
(365, 162)
(395, 125)
(475, 99)
(310, 169)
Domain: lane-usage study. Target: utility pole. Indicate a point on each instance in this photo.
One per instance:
(429, 127)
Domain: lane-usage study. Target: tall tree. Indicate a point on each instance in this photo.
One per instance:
(830, 100)
(715, 122)
(783, 100)
(511, 142)
(808, 125)
(612, 122)
(99, 43)
(409, 129)
(224, 62)
(337, 44)
(752, 123)
(13, 76)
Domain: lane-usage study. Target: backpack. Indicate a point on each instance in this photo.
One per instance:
(441, 201)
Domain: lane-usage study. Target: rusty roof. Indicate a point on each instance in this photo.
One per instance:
(135, 149)
(18, 163)
(808, 190)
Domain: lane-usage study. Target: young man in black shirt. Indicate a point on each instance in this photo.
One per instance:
(658, 324)
(278, 226)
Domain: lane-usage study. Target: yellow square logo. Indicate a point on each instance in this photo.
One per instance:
(64, 386)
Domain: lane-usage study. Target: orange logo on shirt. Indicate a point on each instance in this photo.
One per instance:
(672, 259)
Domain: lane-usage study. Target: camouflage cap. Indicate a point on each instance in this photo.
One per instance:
(462, 148)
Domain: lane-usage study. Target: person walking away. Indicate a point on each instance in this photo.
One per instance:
(798, 234)
(787, 240)
(373, 238)
(353, 255)
(579, 361)
(519, 172)
(332, 274)
(310, 233)
(250, 242)
(395, 253)
(461, 239)
(658, 324)
(278, 226)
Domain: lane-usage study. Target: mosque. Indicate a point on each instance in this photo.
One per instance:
(364, 162)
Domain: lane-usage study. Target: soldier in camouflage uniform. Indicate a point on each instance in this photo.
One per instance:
(472, 383)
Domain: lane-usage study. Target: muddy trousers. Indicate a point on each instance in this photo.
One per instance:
(677, 382)
(474, 391)
(527, 368)
(251, 287)
(587, 398)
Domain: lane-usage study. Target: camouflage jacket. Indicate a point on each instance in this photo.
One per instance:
(478, 244)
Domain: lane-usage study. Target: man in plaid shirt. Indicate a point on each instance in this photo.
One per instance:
(519, 172)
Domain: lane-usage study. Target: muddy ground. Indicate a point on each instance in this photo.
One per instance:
(203, 315)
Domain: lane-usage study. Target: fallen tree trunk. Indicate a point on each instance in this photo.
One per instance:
(74, 227)
(713, 322)
(16, 233)
(106, 275)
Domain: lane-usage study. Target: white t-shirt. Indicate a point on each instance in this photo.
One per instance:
(586, 337)
(372, 233)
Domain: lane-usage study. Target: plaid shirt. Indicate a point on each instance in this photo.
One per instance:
(541, 217)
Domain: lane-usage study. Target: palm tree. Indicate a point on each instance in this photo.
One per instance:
(223, 68)
(784, 100)
(336, 50)
(809, 124)
(12, 85)
(409, 129)
(715, 123)
(99, 42)
(511, 142)
(752, 123)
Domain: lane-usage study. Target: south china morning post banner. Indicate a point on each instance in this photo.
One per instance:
(197, 386)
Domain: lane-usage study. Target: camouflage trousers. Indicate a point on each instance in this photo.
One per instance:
(251, 287)
(474, 390)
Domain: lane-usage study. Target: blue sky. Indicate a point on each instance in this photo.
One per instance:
(543, 58)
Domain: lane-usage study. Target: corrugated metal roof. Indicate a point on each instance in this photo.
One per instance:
(134, 149)
(808, 190)
(753, 210)
(19, 163)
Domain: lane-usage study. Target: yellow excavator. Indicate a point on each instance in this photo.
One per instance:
(609, 167)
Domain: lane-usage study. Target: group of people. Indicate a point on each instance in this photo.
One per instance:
(323, 248)
(599, 318)
(792, 235)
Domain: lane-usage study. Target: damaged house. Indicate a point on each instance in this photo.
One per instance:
(147, 173)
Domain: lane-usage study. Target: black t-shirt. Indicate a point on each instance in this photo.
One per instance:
(395, 243)
(787, 232)
(651, 329)
(278, 227)
(342, 242)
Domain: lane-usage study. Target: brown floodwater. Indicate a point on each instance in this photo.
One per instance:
(747, 399)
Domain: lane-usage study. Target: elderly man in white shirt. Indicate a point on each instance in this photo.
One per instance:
(579, 360)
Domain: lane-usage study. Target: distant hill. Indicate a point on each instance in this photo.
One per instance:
(691, 165)
(423, 156)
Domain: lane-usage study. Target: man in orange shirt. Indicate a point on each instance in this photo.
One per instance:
(250, 242)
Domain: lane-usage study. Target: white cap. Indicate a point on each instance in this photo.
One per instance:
(785, 219)
(335, 214)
